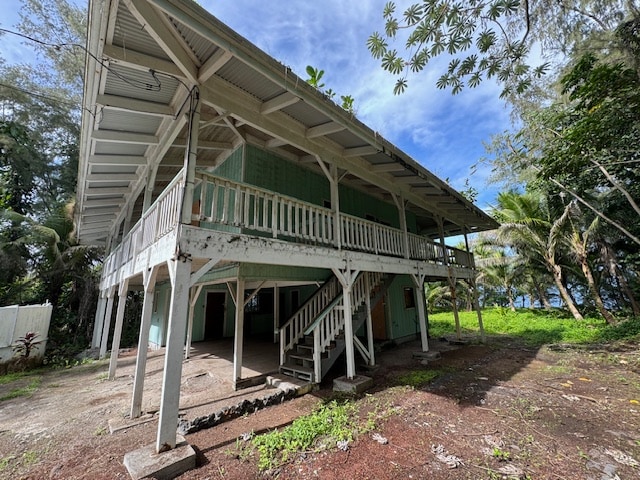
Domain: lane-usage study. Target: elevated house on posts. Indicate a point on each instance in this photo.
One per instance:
(242, 201)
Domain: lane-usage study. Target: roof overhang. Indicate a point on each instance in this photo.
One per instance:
(146, 55)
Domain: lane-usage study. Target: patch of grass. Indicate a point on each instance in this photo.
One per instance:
(534, 327)
(324, 428)
(23, 391)
(29, 458)
(13, 376)
(4, 462)
(418, 378)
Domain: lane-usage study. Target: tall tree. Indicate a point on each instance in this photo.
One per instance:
(530, 227)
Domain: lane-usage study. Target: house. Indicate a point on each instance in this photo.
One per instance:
(242, 201)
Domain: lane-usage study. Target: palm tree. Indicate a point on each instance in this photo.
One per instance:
(527, 224)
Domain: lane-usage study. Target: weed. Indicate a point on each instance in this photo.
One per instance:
(501, 455)
(103, 376)
(329, 424)
(29, 458)
(418, 378)
(4, 462)
(23, 391)
(98, 432)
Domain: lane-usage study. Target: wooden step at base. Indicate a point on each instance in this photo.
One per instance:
(297, 371)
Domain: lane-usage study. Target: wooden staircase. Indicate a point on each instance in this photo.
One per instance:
(313, 338)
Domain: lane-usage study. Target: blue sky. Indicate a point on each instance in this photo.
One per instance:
(445, 133)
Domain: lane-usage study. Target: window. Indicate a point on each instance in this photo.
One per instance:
(409, 298)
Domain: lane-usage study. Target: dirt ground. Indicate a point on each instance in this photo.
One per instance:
(494, 411)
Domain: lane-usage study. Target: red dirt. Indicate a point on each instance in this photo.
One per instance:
(496, 411)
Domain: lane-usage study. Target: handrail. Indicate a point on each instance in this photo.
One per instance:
(323, 314)
(237, 204)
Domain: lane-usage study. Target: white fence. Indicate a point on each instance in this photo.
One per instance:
(16, 321)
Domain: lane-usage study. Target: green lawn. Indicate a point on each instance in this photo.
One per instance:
(535, 327)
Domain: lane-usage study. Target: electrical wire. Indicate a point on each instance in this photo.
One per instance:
(155, 87)
(44, 97)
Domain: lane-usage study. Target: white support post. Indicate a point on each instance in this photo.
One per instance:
(193, 298)
(402, 215)
(239, 333)
(335, 205)
(276, 312)
(451, 280)
(367, 300)
(99, 321)
(474, 287)
(418, 281)
(107, 323)
(149, 278)
(117, 330)
(172, 376)
(190, 155)
(347, 279)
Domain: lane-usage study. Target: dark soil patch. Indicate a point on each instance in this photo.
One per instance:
(495, 411)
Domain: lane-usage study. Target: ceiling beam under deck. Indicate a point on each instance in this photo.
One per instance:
(116, 136)
(133, 105)
(153, 23)
(221, 95)
(204, 145)
(117, 160)
(278, 103)
(324, 129)
(140, 61)
(213, 64)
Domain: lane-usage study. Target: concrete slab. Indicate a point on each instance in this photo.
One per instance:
(146, 463)
(358, 384)
(431, 355)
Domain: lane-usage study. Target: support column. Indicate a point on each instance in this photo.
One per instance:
(367, 301)
(402, 215)
(418, 281)
(276, 313)
(172, 376)
(107, 323)
(193, 298)
(191, 154)
(149, 278)
(450, 278)
(238, 340)
(99, 321)
(117, 330)
(474, 287)
(347, 279)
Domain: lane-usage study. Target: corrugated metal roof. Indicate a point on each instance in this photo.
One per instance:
(141, 85)
(386, 168)
(244, 77)
(126, 121)
(128, 33)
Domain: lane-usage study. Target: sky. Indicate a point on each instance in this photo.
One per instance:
(443, 132)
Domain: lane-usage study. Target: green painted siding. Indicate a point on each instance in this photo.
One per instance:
(231, 168)
(158, 328)
(267, 170)
(253, 271)
(403, 321)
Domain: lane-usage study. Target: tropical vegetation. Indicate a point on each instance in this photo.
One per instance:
(568, 170)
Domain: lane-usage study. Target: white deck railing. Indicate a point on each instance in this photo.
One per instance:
(254, 210)
(161, 218)
(234, 204)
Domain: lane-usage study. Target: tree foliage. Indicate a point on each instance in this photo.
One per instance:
(40, 259)
(489, 39)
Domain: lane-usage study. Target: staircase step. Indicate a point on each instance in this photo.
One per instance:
(304, 358)
(297, 371)
(305, 348)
